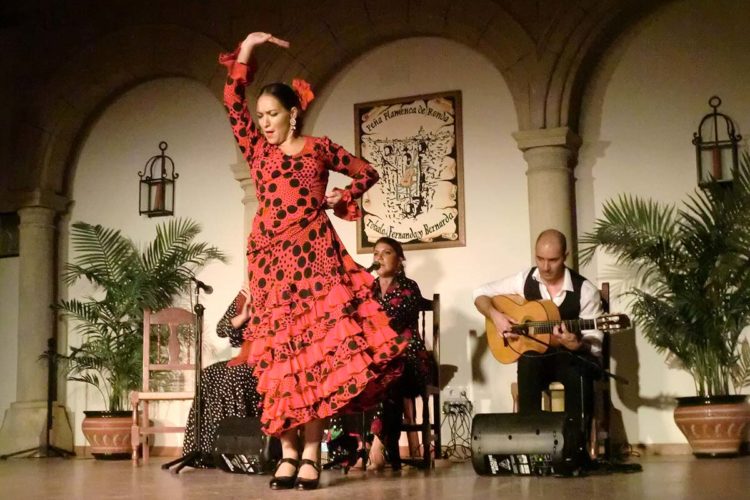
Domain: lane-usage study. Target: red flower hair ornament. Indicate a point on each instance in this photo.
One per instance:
(303, 91)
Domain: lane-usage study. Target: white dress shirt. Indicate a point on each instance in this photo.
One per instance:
(591, 302)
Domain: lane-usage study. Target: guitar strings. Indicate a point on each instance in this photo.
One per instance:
(575, 325)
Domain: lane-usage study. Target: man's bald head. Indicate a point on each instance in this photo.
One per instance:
(550, 252)
(552, 237)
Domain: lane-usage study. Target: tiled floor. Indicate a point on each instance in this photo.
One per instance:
(680, 477)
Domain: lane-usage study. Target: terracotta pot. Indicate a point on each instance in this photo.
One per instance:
(108, 433)
(714, 426)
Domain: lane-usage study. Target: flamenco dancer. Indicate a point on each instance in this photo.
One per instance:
(318, 340)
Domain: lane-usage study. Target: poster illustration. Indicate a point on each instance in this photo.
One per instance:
(415, 145)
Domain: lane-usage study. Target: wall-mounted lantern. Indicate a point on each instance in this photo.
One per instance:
(716, 146)
(156, 195)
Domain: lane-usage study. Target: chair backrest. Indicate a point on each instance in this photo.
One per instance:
(433, 306)
(168, 342)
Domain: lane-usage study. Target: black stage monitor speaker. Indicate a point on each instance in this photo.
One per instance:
(242, 447)
(510, 443)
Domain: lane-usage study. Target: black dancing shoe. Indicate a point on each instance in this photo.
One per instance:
(284, 482)
(308, 484)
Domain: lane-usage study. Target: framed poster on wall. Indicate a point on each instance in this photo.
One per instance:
(415, 145)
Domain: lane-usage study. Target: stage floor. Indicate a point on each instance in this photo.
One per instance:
(680, 477)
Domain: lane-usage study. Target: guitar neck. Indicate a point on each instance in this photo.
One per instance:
(572, 325)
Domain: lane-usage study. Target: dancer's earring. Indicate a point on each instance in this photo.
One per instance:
(293, 123)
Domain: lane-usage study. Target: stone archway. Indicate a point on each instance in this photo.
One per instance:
(544, 50)
(55, 124)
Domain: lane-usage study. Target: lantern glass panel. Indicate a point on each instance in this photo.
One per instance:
(717, 162)
(144, 197)
(169, 196)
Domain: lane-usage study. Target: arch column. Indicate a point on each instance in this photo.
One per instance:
(550, 155)
(36, 295)
(24, 424)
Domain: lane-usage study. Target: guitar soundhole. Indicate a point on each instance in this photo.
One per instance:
(510, 436)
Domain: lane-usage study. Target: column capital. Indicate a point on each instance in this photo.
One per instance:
(37, 216)
(242, 174)
(240, 171)
(43, 198)
(547, 137)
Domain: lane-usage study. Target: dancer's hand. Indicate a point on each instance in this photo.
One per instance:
(258, 38)
(333, 198)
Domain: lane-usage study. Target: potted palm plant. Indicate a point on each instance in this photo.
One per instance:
(126, 280)
(691, 296)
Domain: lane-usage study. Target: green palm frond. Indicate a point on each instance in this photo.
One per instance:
(741, 370)
(110, 355)
(104, 256)
(638, 232)
(694, 297)
(171, 258)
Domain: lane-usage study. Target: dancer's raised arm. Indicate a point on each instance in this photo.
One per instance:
(241, 72)
(253, 40)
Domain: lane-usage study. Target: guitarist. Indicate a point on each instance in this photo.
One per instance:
(575, 297)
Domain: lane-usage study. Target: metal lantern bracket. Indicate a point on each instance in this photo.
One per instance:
(157, 185)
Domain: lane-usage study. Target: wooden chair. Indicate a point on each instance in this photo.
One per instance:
(168, 355)
(429, 428)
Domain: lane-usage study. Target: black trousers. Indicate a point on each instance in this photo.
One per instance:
(536, 371)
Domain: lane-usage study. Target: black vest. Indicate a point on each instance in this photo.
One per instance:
(571, 305)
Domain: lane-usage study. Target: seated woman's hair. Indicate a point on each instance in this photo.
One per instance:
(395, 245)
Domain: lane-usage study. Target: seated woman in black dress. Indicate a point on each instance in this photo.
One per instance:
(400, 297)
(226, 391)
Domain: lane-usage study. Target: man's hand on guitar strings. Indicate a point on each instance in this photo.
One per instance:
(504, 325)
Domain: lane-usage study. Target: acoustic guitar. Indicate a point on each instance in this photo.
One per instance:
(535, 320)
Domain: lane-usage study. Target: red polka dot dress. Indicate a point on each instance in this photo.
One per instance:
(318, 340)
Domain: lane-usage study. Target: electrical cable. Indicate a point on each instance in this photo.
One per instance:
(458, 419)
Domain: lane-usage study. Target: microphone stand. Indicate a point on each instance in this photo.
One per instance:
(189, 459)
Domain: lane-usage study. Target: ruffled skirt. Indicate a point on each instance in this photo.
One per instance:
(320, 343)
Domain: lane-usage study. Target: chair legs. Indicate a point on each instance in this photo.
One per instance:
(144, 423)
(426, 432)
(428, 429)
(436, 427)
(135, 434)
(138, 439)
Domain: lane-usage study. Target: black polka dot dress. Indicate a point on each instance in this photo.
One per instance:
(401, 303)
(226, 391)
(317, 338)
